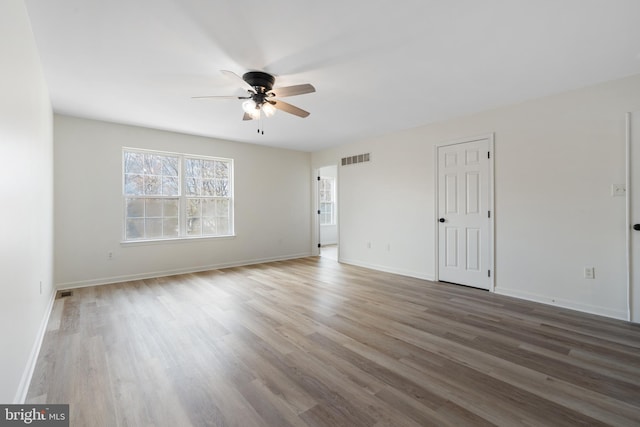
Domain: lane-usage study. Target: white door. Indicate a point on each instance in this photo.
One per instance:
(634, 214)
(464, 200)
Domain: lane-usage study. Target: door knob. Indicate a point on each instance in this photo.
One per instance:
(442, 220)
(636, 227)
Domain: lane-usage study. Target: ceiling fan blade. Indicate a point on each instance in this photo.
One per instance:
(288, 108)
(222, 97)
(281, 92)
(239, 80)
(247, 117)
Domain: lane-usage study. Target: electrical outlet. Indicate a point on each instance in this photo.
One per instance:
(589, 273)
(368, 245)
(110, 255)
(388, 247)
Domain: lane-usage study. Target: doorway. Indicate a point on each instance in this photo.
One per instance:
(464, 211)
(328, 211)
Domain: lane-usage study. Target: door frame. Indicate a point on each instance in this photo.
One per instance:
(490, 137)
(629, 220)
(315, 205)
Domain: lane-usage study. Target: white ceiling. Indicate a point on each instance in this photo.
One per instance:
(378, 66)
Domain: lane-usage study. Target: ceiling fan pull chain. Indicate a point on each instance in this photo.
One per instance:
(259, 121)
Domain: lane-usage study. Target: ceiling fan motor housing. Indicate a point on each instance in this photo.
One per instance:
(259, 79)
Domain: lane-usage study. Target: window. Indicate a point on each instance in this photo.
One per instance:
(327, 201)
(170, 196)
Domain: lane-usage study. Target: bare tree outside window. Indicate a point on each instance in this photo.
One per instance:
(207, 193)
(155, 206)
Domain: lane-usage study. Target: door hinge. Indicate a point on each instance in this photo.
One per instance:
(318, 245)
(488, 154)
(488, 214)
(488, 273)
(318, 178)
(318, 211)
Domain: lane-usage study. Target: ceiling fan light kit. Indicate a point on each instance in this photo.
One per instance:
(251, 108)
(268, 109)
(260, 100)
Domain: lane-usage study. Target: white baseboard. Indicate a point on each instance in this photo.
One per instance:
(25, 381)
(559, 302)
(386, 269)
(173, 272)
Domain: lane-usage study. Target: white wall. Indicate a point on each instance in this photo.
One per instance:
(26, 217)
(555, 161)
(272, 205)
(329, 233)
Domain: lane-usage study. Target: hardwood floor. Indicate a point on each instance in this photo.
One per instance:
(311, 342)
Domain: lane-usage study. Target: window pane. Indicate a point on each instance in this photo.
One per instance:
(223, 226)
(193, 208)
(135, 229)
(222, 208)
(326, 213)
(170, 166)
(153, 208)
(208, 187)
(190, 187)
(222, 170)
(135, 208)
(170, 227)
(208, 207)
(329, 196)
(153, 228)
(208, 226)
(326, 189)
(208, 169)
(148, 174)
(133, 162)
(152, 218)
(170, 186)
(221, 188)
(194, 227)
(153, 164)
(170, 208)
(152, 185)
(192, 168)
(133, 184)
(207, 177)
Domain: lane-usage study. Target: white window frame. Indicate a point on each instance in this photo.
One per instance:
(182, 197)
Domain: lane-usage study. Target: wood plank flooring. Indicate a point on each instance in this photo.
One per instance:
(311, 342)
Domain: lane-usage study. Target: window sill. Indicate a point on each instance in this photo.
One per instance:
(174, 240)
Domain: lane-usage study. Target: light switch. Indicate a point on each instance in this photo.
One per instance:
(618, 190)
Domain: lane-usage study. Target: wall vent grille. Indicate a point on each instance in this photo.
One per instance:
(64, 294)
(358, 158)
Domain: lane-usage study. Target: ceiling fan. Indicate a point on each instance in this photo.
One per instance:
(260, 99)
